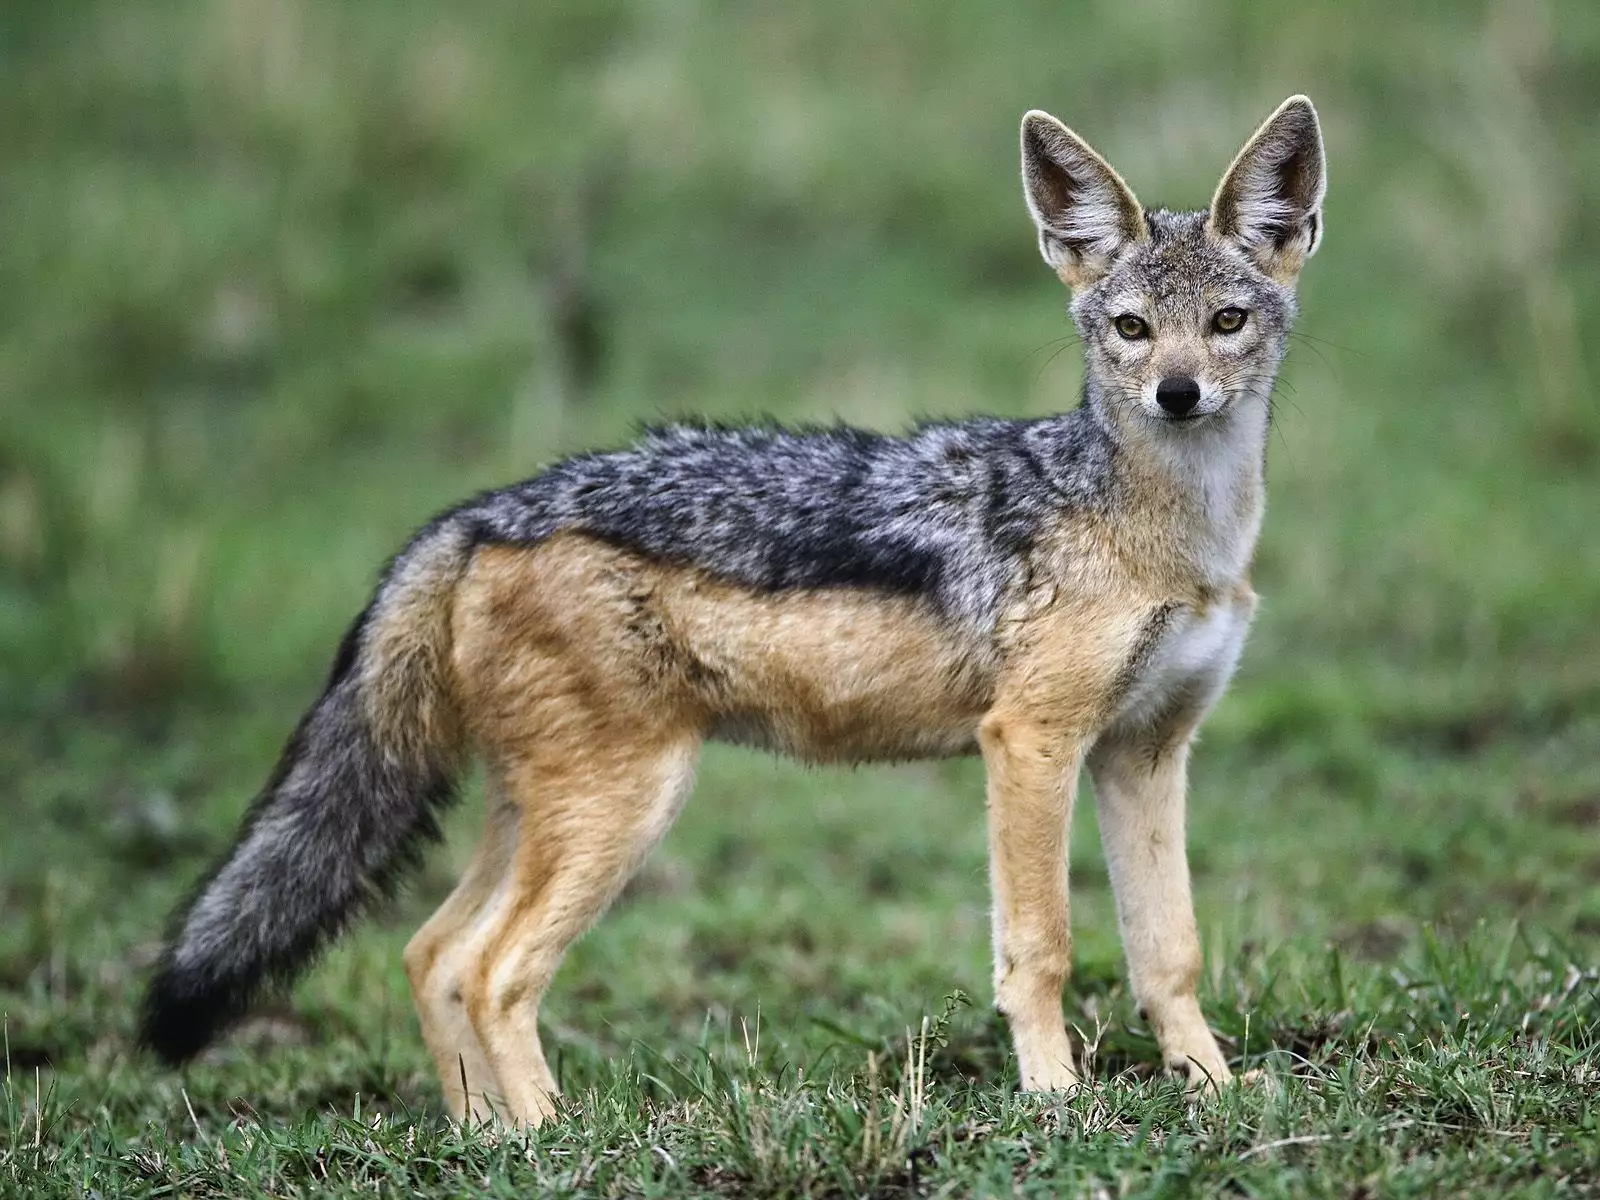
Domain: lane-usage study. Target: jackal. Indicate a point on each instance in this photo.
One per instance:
(1049, 593)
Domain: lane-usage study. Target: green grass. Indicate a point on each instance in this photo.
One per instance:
(279, 279)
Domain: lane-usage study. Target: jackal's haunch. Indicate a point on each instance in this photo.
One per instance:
(1051, 593)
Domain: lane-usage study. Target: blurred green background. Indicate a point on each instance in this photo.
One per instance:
(279, 279)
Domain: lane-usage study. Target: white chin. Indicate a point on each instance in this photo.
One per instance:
(1187, 419)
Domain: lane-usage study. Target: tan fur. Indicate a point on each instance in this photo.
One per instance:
(1057, 692)
(1139, 792)
(437, 961)
(406, 653)
(828, 676)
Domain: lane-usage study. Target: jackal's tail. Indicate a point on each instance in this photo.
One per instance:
(349, 806)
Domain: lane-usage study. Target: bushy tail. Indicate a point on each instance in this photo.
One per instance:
(349, 806)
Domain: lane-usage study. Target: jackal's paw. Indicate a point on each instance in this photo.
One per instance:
(1205, 1071)
(535, 1111)
(501, 1118)
(1050, 1076)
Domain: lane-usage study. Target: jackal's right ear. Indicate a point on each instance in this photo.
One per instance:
(1269, 203)
(1085, 214)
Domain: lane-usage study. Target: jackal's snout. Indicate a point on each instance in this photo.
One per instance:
(1178, 395)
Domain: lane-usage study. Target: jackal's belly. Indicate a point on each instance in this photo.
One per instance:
(880, 742)
(836, 675)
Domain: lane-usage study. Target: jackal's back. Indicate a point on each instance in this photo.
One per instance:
(946, 513)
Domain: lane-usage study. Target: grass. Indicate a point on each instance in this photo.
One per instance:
(281, 279)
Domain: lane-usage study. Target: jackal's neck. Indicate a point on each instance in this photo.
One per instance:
(1192, 499)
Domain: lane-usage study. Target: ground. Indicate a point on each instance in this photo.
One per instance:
(279, 280)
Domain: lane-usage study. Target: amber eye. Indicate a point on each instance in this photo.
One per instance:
(1132, 328)
(1229, 320)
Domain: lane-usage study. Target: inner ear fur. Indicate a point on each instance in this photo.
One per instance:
(1269, 202)
(1084, 212)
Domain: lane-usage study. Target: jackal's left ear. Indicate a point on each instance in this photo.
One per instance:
(1270, 201)
(1084, 212)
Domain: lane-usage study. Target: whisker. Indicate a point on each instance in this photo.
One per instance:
(1311, 337)
(1277, 427)
(1272, 394)
(1248, 380)
(1068, 339)
(1312, 346)
(1045, 366)
(1291, 403)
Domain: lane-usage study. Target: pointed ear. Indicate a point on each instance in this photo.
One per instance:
(1084, 212)
(1270, 201)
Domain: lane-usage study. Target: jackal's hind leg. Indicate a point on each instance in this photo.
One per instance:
(588, 819)
(437, 961)
(1139, 792)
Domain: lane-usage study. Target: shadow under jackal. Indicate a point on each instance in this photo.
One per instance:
(1051, 593)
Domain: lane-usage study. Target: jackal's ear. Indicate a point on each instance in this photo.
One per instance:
(1086, 215)
(1270, 201)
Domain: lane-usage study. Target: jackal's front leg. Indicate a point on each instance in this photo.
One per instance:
(1033, 777)
(1139, 796)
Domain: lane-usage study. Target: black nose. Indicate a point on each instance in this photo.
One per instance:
(1178, 394)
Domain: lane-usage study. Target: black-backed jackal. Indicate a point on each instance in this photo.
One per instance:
(1055, 593)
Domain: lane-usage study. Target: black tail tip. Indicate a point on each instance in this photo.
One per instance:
(181, 1019)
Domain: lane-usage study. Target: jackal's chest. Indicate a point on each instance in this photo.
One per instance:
(1186, 660)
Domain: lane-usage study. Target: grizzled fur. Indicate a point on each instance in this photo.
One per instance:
(953, 518)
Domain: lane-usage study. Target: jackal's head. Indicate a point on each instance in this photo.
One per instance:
(1185, 316)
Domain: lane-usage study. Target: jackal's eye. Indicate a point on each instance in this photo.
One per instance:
(1131, 328)
(1229, 320)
